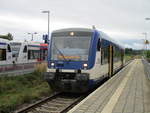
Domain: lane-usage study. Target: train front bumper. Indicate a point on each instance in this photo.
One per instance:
(78, 84)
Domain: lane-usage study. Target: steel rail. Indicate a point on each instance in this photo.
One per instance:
(58, 103)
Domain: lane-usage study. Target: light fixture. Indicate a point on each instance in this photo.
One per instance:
(85, 65)
(52, 64)
(72, 33)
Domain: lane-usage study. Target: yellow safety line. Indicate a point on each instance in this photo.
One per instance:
(92, 94)
(114, 99)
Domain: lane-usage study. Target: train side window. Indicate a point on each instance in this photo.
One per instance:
(8, 47)
(25, 49)
(117, 54)
(104, 55)
(98, 45)
(33, 54)
(2, 54)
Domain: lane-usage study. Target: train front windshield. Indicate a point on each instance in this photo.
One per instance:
(70, 47)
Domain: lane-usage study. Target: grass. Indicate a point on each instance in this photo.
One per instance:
(17, 90)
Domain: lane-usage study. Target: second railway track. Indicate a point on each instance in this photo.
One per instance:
(59, 103)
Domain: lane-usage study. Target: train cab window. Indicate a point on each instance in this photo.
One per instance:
(25, 49)
(2, 54)
(8, 47)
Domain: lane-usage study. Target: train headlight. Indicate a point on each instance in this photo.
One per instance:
(52, 64)
(72, 33)
(85, 65)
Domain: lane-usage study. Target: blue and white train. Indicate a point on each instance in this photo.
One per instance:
(79, 58)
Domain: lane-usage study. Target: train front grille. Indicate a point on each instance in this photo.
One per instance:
(67, 86)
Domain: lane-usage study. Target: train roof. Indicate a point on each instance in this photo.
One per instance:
(102, 34)
(4, 40)
(27, 42)
(106, 37)
(33, 43)
(73, 29)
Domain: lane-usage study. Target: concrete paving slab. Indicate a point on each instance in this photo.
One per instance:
(127, 92)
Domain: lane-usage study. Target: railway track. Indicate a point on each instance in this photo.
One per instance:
(59, 103)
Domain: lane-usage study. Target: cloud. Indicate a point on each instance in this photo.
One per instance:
(137, 46)
(128, 46)
(121, 20)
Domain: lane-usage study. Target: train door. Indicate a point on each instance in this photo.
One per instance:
(21, 58)
(33, 53)
(23, 54)
(43, 55)
(9, 54)
(43, 52)
(111, 60)
(3, 54)
(15, 51)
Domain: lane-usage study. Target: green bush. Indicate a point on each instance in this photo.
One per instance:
(148, 53)
(17, 90)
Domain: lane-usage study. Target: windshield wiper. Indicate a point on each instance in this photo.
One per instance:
(60, 53)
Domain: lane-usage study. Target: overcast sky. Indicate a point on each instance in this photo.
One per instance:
(123, 20)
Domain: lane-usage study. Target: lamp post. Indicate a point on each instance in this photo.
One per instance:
(145, 34)
(48, 12)
(146, 42)
(147, 18)
(143, 40)
(32, 35)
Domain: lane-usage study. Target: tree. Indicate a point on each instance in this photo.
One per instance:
(148, 53)
(9, 36)
(128, 51)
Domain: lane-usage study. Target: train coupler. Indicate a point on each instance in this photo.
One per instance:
(49, 76)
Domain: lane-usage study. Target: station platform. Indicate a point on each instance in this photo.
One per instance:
(126, 92)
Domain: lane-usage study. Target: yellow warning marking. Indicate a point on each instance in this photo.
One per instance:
(77, 107)
(114, 99)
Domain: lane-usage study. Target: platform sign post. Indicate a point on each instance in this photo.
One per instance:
(45, 38)
(48, 13)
